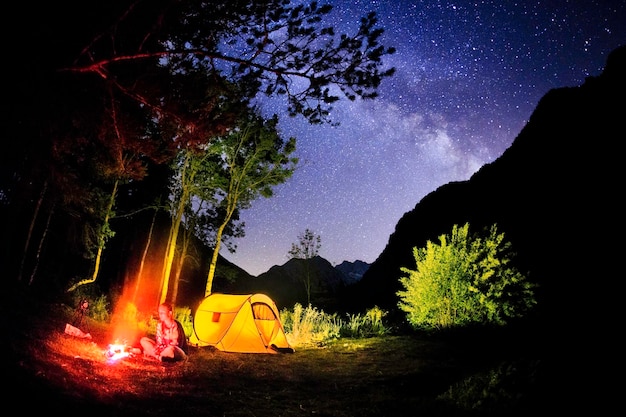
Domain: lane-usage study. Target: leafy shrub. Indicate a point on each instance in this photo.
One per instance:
(367, 325)
(464, 280)
(184, 316)
(99, 309)
(98, 304)
(309, 326)
(314, 327)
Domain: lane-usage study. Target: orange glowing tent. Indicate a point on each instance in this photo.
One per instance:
(239, 323)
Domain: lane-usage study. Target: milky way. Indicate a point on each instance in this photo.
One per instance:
(468, 76)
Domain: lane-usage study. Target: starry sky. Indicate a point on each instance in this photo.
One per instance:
(468, 76)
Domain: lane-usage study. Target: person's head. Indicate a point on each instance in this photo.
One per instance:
(165, 312)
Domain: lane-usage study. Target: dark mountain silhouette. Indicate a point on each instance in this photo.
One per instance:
(352, 271)
(556, 193)
(285, 284)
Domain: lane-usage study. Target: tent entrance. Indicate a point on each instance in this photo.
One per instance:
(266, 322)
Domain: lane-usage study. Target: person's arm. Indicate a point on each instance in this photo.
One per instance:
(174, 335)
(161, 342)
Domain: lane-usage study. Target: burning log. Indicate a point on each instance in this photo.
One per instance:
(117, 351)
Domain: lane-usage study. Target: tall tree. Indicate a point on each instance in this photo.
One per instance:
(119, 149)
(307, 248)
(184, 183)
(186, 254)
(254, 159)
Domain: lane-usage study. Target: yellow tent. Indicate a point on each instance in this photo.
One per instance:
(239, 323)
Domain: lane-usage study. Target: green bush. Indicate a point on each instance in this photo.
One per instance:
(314, 327)
(309, 326)
(464, 280)
(184, 316)
(98, 304)
(367, 325)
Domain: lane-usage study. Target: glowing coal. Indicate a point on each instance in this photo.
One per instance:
(117, 351)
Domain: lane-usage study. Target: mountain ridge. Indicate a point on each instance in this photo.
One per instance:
(287, 284)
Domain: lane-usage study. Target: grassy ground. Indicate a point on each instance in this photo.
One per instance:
(391, 376)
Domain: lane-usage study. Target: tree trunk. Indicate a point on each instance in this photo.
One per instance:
(171, 250)
(179, 266)
(30, 229)
(175, 227)
(307, 282)
(216, 250)
(101, 241)
(41, 241)
(213, 265)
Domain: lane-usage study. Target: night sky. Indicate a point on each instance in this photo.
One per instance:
(468, 77)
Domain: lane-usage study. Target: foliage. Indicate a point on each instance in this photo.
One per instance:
(308, 245)
(98, 307)
(312, 327)
(366, 325)
(251, 160)
(309, 326)
(184, 316)
(464, 280)
(277, 49)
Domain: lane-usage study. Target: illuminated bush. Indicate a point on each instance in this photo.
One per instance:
(98, 304)
(464, 280)
(368, 325)
(309, 326)
(184, 316)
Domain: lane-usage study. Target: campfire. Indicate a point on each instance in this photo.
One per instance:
(117, 351)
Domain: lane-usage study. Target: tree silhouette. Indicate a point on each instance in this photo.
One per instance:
(307, 248)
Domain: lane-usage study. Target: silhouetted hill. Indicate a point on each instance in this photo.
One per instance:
(352, 271)
(287, 284)
(556, 193)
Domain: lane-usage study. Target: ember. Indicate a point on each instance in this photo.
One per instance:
(117, 351)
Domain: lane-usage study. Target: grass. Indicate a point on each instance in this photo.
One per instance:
(377, 376)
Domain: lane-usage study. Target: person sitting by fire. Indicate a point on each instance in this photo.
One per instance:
(171, 342)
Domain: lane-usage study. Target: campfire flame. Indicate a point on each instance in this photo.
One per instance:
(117, 351)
